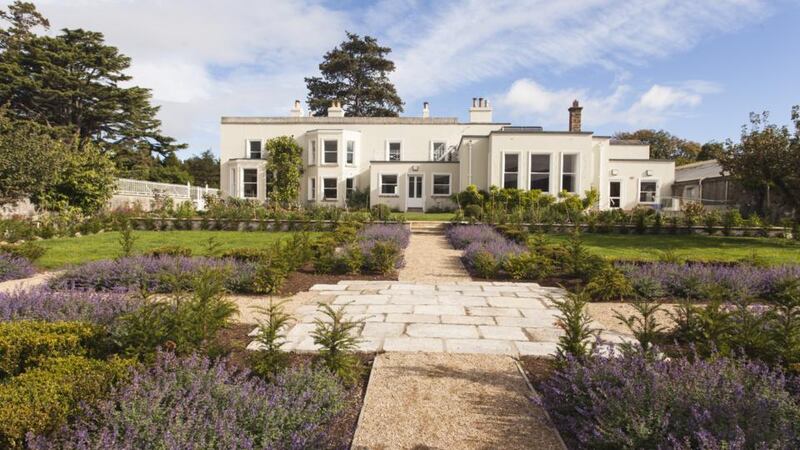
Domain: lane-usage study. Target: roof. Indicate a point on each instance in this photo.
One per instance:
(351, 120)
(698, 170)
(641, 160)
(626, 142)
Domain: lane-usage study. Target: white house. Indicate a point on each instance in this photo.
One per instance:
(415, 163)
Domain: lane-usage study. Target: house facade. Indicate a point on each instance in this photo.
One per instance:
(416, 163)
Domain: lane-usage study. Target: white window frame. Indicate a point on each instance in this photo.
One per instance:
(312, 152)
(639, 191)
(396, 185)
(388, 145)
(335, 186)
(352, 188)
(247, 149)
(449, 184)
(433, 148)
(325, 153)
(232, 183)
(549, 170)
(576, 173)
(312, 188)
(621, 192)
(245, 183)
(503, 168)
(347, 152)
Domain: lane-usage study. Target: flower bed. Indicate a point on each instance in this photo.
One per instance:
(14, 267)
(155, 273)
(54, 306)
(635, 402)
(701, 281)
(192, 401)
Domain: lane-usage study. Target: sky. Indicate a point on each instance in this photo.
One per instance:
(695, 68)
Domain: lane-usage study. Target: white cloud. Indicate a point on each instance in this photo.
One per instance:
(528, 100)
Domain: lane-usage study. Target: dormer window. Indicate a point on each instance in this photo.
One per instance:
(254, 149)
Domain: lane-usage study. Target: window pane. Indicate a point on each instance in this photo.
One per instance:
(255, 149)
(615, 203)
(250, 178)
(614, 189)
(394, 151)
(540, 163)
(570, 163)
(647, 191)
(441, 184)
(512, 163)
(510, 181)
(331, 151)
(568, 183)
(540, 181)
(388, 184)
(250, 175)
(329, 188)
(348, 183)
(351, 151)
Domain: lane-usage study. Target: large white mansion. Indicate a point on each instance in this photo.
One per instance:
(415, 163)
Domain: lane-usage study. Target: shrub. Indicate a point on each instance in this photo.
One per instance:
(337, 339)
(42, 399)
(192, 402)
(381, 257)
(169, 250)
(398, 234)
(270, 359)
(14, 268)
(528, 266)
(643, 326)
(460, 236)
(28, 250)
(126, 240)
(351, 260)
(636, 402)
(269, 277)
(55, 306)
(484, 264)
(574, 321)
(380, 212)
(732, 218)
(473, 212)
(246, 254)
(26, 344)
(609, 284)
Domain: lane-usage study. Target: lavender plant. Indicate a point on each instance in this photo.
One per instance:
(192, 402)
(14, 267)
(56, 306)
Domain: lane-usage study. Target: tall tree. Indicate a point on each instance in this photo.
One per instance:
(664, 145)
(203, 168)
(73, 80)
(356, 74)
(767, 159)
(711, 150)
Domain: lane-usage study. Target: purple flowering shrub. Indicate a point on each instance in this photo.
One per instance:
(460, 236)
(380, 246)
(155, 273)
(55, 306)
(399, 234)
(485, 250)
(636, 402)
(192, 402)
(701, 281)
(14, 267)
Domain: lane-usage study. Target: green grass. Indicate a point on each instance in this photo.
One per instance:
(444, 217)
(692, 247)
(75, 250)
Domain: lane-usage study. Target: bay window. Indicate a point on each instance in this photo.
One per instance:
(331, 152)
(330, 189)
(250, 183)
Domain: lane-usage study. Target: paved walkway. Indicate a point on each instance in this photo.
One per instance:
(430, 258)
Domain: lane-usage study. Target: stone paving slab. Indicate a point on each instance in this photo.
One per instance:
(452, 317)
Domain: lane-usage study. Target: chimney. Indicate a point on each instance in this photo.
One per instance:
(335, 110)
(575, 117)
(297, 111)
(426, 111)
(480, 112)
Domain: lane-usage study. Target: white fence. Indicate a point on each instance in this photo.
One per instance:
(178, 192)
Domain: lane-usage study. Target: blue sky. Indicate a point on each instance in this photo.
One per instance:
(694, 68)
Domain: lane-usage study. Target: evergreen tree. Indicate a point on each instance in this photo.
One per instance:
(356, 74)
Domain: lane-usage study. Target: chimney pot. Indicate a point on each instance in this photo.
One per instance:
(426, 112)
(297, 110)
(575, 117)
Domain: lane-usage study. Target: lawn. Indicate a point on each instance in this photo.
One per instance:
(693, 247)
(444, 217)
(76, 250)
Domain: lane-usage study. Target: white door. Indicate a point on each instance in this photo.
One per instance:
(415, 199)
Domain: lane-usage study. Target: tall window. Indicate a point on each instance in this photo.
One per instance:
(350, 158)
(254, 149)
(388, 184)
(540, 172)
(331, 152)
(439, 150)
(511, 170)
(648, 191)
(312, 188)
(312, 152)
(394, 151)
(349, 187)
(569, 173)
(441, 184)
(615, 194)
(329, 189)
(250, 179)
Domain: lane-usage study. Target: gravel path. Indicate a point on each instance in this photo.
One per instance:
(603, 314)
(448, 401)
(430, 258)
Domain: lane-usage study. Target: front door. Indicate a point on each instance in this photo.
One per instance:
(415, 199)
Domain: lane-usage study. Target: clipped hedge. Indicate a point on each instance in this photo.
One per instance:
(25, 344)
(42, 399)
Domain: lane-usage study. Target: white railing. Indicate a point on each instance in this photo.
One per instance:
(141, 188)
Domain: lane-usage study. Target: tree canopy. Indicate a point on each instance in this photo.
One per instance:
(767, 158)
(74, 81)
(664, 145)
(356, 74)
